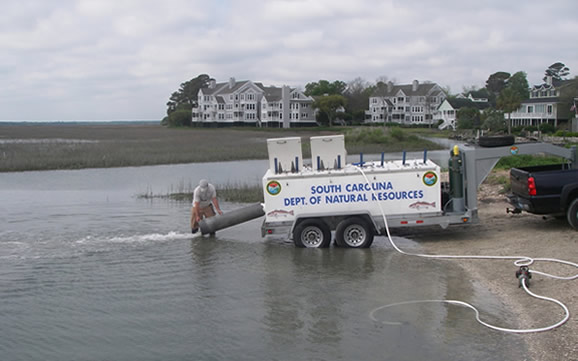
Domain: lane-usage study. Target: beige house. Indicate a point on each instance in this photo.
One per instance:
(544, 105)
(405, 104)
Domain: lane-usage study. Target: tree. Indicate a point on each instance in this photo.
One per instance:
(357, 94)
(568, 92)
(185, 98)
(497, 82)
(493, 120)
(330, 105)
(557, 71)
(508, 101)
(324, 87)
(468, 118)
(178, 118)
(519, 84)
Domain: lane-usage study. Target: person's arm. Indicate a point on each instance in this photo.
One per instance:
(216, 203)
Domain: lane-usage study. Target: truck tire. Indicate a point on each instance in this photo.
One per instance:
(354, 232)
(312, 233)
(572, 214)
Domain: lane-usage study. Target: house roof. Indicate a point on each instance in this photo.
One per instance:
(223, 88)
(458, 103)
(407, 89)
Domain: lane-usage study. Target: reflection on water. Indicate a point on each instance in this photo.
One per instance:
(88, 271)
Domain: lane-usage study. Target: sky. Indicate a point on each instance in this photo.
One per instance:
(121, 59)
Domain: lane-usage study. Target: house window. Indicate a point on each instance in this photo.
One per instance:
(400, 99)
(295, 95)
(250, 96)
(221, 106)
(304, 115)
(530, 109)
(549, 109)
(373, 100)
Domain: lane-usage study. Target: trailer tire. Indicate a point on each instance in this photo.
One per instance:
(312, 233)
(354, 232)
(572, 214)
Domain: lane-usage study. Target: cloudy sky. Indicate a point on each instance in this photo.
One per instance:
(121, 59)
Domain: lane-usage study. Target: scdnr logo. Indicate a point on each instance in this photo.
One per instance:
(430, 179)
(273, 188)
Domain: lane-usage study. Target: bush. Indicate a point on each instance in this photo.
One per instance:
(565, 133)
(397, 134)
(547, 128)
(179, 118)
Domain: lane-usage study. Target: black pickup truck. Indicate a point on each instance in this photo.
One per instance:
(547, 189)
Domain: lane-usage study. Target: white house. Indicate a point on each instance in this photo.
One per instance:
(447, 112)
(249, 103)
(405, 104)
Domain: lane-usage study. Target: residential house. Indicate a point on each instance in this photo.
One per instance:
(285, 107)
(238, 103)
(405, 104)
(230, 103)
(446, 114)
(544, 105)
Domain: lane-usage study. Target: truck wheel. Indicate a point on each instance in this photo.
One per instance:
(354, 232)
(312, 233)
(572, 214)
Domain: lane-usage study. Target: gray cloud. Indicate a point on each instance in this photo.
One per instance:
(121, 59)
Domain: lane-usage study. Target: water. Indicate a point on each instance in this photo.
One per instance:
(88, 271)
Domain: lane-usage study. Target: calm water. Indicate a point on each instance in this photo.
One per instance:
(90, 272)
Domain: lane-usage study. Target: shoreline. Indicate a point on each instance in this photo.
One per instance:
(498, 233)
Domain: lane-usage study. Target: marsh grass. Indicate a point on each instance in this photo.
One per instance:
(45, 146)
(385, 139)
(230, 192)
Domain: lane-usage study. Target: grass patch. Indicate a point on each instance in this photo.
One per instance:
(525, 160)
(385, 139)
(236, 193)
(499, 179)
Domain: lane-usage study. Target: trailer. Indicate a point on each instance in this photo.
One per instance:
(306, 202)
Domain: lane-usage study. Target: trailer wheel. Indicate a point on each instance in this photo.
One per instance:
(312, 233)
(354, 232)
(572, 214)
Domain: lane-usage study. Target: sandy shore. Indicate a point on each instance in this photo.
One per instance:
(499, 233)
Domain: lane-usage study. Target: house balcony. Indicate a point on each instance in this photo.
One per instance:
(534, 115)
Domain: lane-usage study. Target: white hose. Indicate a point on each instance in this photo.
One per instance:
(519, 261)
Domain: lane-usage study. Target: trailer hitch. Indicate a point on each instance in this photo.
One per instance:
(513, 210)
(523, 275)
